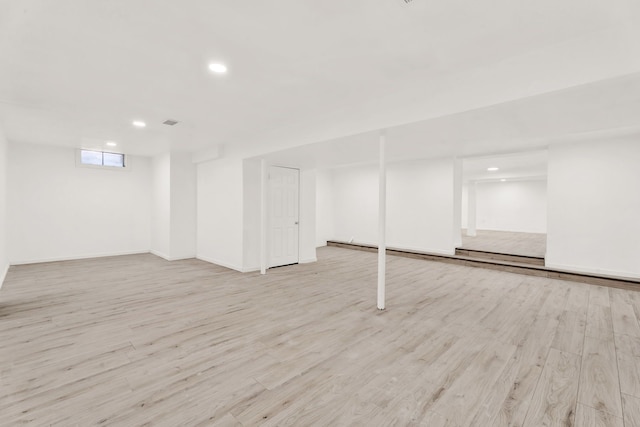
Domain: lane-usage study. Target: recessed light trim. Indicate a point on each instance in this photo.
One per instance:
(139, 123)
(111, 143)
(503, 180)
(493, 169)
(218, 68)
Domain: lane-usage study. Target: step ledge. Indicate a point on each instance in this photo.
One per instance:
(514, 267)
(500, 253)
(499, 256)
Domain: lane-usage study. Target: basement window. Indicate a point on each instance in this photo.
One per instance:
(101, 158)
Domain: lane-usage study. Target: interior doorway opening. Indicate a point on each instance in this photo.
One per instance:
(504, 204)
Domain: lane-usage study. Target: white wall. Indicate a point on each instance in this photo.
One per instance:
(307, 227)
(420, 205)
(173, 216)
(594, 206)
(457, 202)
(324, 207)
(252, 193)
(183, 206)
(252, 221)
(355, 204)
(4, 255)
(510, 206)
(220, 215)
(161, 202)
(59, 211)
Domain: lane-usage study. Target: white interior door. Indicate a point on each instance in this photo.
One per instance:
(283, 215)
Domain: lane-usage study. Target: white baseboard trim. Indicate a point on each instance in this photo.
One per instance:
(181, 257)
(76, 257)
(171, 258)
(257, 268)
(159, 254)
(432, 251)
(220, 263)
(597, 271)
(3, 274)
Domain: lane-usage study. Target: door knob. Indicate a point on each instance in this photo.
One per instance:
(296, 223)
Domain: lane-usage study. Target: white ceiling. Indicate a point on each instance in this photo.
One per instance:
(467, 76)
(605, 109)
(512, 166)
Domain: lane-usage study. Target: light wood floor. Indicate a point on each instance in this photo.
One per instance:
(507, 242)
(136, 340)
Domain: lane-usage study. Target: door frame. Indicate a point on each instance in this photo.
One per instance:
(267, 220)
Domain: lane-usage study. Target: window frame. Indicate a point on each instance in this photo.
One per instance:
(126, 159)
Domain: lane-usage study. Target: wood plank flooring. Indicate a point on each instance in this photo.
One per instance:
(136, 340)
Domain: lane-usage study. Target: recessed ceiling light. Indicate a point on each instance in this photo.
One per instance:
(218, 68)
(111, 144)
(492, 169)
(502, 180)
(139, 124)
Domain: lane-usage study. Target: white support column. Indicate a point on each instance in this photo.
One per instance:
(263, 216)
(471, 209)
(382, 210)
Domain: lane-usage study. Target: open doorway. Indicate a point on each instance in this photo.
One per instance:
(504, 204)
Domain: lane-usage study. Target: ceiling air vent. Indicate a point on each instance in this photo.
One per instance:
(406, 1)
(170, 122)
